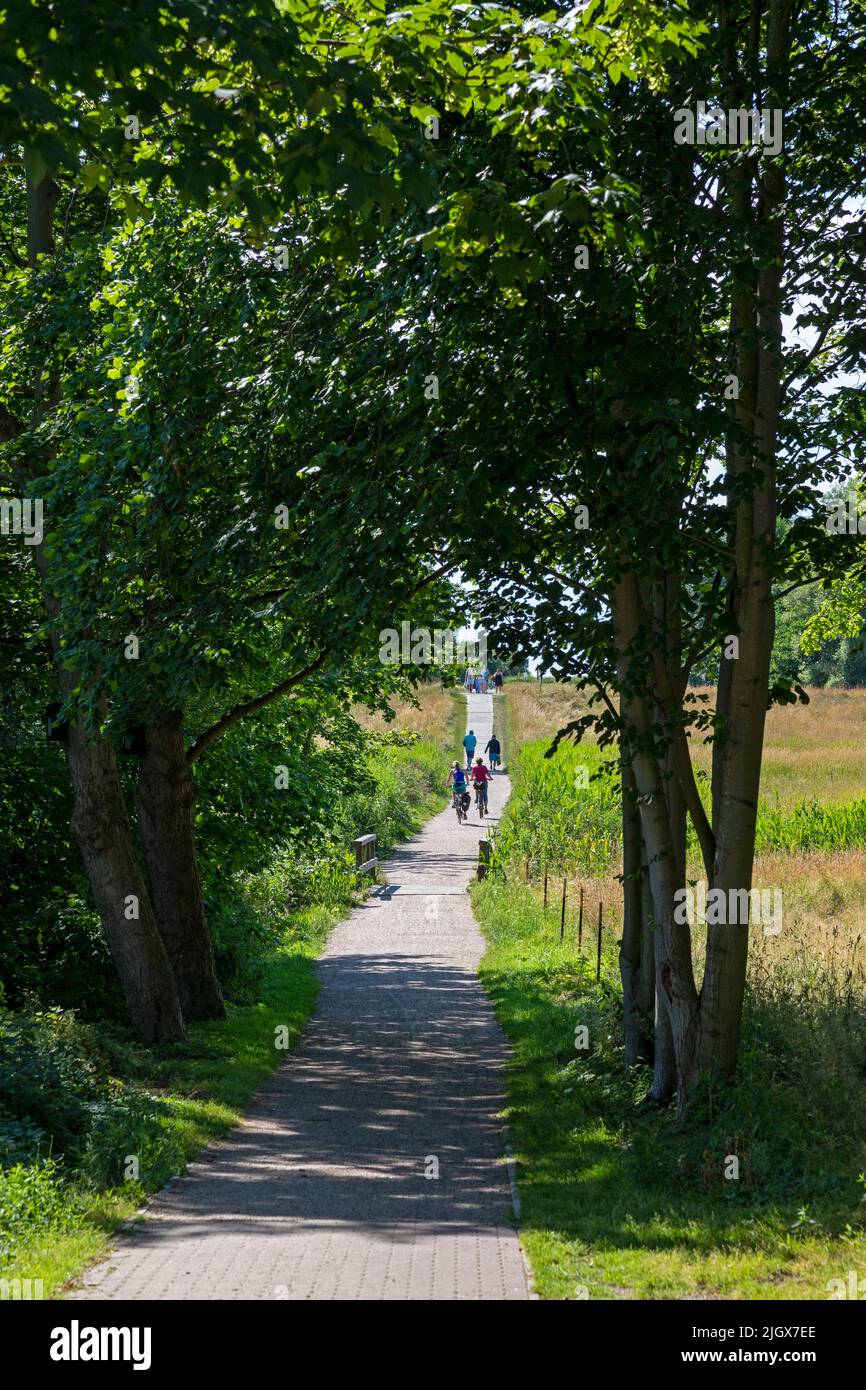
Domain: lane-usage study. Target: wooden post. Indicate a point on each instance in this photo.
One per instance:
(483, 858)
(562, 917)
(580, 922)
(545, 887)
(365, 854)
(526, 869)
(598, 959)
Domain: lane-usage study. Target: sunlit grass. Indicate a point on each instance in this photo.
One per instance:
(620, 1202)
(811, 752)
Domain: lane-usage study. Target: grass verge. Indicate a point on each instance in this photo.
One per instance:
(619, 1201)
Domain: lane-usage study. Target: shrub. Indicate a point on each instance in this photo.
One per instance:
(45, 1082)
(131, 1124)
(34, 1201)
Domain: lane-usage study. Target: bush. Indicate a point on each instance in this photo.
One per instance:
(57, 954)
(45, 1083)
(57, 1098)
(33, 1202)
(131, 1125)
(20, 1139)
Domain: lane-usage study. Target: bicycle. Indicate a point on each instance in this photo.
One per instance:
(481, 798)
(457, 800)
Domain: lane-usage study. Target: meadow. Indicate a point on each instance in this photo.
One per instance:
(619, 1200)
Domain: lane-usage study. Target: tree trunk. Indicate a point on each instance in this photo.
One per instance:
(42, 200)
(100, 820)
(101, 825)
(665, 1062)
(165, 797)
(673, 951)
(636, 956)
(737, 806)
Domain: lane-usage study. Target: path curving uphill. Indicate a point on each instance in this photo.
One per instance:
(328, 1190)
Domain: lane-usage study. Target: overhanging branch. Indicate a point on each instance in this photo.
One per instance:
(242, 711)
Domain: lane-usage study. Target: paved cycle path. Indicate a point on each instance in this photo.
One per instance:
(328, 1189)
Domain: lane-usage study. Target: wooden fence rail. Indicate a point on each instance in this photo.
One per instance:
(365, 854)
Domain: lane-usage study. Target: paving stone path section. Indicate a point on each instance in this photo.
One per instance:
(322, 1192)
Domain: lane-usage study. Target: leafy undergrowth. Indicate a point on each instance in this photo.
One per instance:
(619, 1200)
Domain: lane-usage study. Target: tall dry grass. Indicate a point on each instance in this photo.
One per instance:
(539, 710)
(431, 717)
(816, 857)
(815, 751)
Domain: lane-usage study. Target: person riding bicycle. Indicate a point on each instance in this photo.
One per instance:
(469, 743)
(480, 777)
(494, 748)
(456, 780)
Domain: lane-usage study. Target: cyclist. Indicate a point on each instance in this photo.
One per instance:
(456, 780)
(480, 778)
(494, 748)
(469, 743)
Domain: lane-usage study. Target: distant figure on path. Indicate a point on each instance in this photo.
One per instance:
(497, 683)
(494, 749)
(469, 743)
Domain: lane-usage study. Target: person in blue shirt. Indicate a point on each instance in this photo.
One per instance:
(456, 780)
(469, 743)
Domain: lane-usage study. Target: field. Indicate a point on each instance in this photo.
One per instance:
(435, 709)
(619, 1201)
(810, 751)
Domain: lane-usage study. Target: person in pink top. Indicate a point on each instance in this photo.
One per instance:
(480, 777)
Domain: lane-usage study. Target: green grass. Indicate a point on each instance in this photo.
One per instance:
(618, 1200)
(808, 825)
(557, 820)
